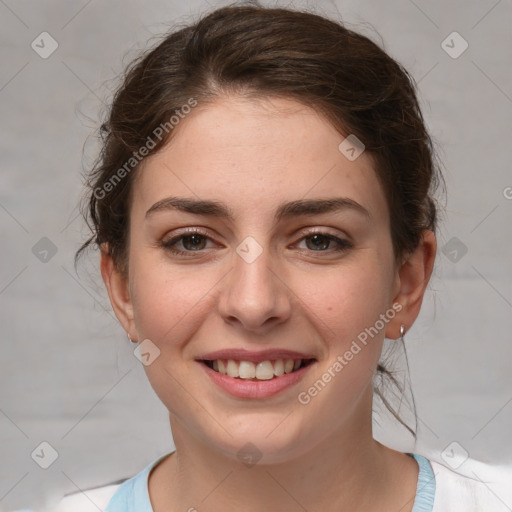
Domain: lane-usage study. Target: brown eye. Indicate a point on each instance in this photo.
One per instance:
(193, 242)
(190, 242)
(323, 242)
(318, 242)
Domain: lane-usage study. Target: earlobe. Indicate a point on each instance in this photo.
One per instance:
(413, 277)
(118, 291)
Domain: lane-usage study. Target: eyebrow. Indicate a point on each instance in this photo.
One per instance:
(301, 207)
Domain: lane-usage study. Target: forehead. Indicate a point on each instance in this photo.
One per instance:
(255, 153)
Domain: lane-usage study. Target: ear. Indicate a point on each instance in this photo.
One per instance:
(118, 292)
(411, 282)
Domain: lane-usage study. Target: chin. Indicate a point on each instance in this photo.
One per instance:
(261, 441)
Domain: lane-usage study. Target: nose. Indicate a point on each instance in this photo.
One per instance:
(254, 297)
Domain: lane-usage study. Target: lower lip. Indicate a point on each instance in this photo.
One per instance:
(242, 388)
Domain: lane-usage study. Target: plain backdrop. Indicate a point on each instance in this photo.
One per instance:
(68, 375)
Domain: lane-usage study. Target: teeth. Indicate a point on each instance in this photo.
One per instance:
(232, 369)
(247, 370)
(265, 370)
(279, 367)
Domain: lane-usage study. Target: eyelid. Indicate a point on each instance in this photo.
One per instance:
(323, 231)
(189, 231)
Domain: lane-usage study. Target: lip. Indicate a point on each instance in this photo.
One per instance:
(241, 354)
(242, 388)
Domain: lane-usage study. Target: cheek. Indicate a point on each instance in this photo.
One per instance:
(161, 294)
(347, 299)
(164, 300)
(344, 308)
(169, 310)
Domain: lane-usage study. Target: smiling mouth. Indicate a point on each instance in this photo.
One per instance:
(264, 370)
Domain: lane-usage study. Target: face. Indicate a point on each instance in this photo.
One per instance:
(269, 271)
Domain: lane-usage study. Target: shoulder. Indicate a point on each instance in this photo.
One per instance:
(88, 501)
(133, 495)
(124, 495)
(474, 491)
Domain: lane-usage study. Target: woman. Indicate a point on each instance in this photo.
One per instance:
(264, 209)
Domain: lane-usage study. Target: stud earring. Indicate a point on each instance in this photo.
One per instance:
(402, 332)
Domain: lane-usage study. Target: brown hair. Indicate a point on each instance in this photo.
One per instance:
(265, 52)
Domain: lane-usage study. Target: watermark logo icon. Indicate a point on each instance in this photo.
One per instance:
(249, 250)
(454, 249)
(44, 455)
(454, 45)
(44, 250)
(146, 352)
(351, 147)
(454, 455)
(249, 455)
(44, 45)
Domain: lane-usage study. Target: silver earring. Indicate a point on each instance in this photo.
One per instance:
(402, 332)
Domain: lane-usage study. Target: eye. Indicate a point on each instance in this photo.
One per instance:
(322, 242)
(193, 240)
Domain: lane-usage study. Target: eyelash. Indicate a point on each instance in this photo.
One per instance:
(169, 245)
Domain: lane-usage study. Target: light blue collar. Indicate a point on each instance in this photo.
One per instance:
(133, 495)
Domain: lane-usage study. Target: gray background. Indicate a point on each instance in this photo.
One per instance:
(68, 375)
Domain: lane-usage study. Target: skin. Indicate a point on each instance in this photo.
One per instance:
(254, 155)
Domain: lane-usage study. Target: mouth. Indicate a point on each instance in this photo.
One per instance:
(256, 375)
(256, 371)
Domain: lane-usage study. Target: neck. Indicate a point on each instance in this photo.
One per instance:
(335, 475)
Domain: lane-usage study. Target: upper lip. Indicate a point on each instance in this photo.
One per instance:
(241, 354)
